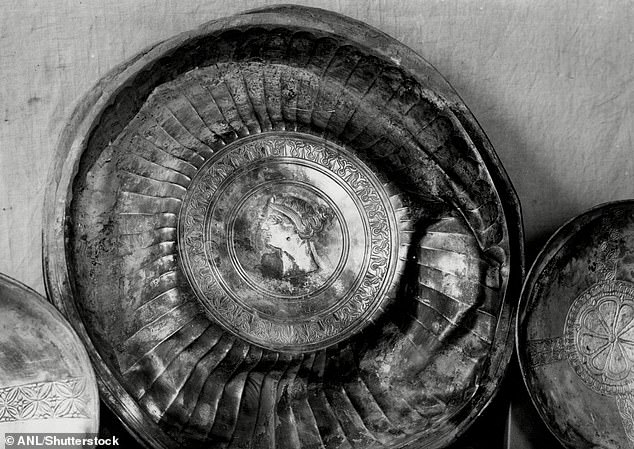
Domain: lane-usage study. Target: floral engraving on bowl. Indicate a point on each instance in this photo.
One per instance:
(44, 400)
(606, 338)
(599, 335)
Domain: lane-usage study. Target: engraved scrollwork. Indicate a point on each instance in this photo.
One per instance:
(625, 404)
(198, 249)
(545, 351)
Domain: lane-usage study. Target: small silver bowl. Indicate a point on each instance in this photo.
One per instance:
(575, 332)
(47, 384)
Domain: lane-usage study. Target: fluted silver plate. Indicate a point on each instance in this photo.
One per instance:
(285, 230)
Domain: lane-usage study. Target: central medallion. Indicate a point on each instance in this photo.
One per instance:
(289, 241)
(599, 336)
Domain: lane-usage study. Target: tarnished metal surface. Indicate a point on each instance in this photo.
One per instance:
(285, 230)
(47, 384)
(576, 329)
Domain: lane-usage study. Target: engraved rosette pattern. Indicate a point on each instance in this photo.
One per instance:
(599, 335)
(590, 256)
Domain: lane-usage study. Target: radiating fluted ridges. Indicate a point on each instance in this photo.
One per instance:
(446, 329)
(409, 370)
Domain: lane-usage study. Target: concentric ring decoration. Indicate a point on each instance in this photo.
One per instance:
(290, 242)
(279, 231)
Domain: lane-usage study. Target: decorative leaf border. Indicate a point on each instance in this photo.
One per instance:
(44, 400)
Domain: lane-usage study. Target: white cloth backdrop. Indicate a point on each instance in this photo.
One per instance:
(552, 84)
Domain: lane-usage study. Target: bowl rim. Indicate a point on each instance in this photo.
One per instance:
(8, 282)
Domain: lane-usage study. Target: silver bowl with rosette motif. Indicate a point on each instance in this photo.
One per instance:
(283, 230)
(47, 385)
(575, 333)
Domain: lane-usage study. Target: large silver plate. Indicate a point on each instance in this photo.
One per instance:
(284, 229)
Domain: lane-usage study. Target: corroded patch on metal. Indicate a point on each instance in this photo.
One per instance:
(599, 336)
(289, 242)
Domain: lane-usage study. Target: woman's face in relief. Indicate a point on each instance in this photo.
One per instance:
(278, 230)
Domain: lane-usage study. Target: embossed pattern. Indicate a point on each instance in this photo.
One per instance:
(430, 285)
(599, 334)
(546, 351)
(378, 249)
(625, 404)
(44, 400)
(597, 331)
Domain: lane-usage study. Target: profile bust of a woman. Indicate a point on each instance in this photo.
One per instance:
(289, 226)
